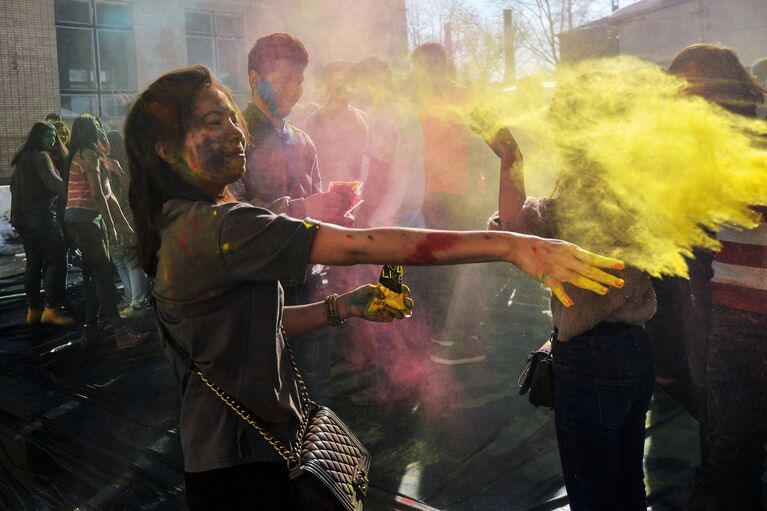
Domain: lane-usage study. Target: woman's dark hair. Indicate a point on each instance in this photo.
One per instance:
(715, 73)
(34, 141)
(85, 134)
(162, 114)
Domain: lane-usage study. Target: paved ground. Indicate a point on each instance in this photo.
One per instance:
(97, 429)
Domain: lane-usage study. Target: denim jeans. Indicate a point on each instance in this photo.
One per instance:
(98, 272)
(134, 279)
(46, 256)
(737, 407)
(602, 390)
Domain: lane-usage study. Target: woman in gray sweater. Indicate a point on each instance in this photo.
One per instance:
(603, 370)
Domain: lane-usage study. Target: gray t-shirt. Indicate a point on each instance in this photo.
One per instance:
(219, 296)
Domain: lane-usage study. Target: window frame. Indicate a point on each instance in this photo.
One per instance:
(239, 87)
(97, 30)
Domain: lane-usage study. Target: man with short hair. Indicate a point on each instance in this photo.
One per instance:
(282, 169)
(283, 172)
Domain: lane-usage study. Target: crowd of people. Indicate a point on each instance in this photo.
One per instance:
(252, 206)
(69, 203)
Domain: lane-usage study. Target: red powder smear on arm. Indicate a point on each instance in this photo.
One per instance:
(424, 251)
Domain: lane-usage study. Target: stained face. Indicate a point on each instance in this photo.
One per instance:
(49, 139)
(214, 146)
(63, 134)
(287, 79)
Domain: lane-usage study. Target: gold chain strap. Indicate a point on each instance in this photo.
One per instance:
(286, 454)
(306, 400)
(290, 456)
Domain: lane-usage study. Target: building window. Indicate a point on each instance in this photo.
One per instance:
(216, 40)
(97, 70)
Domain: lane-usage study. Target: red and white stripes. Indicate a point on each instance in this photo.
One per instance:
(740, 269)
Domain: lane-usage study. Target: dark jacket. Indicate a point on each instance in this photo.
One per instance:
(35, 184)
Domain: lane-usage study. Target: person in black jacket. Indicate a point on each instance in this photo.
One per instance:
(35, 184)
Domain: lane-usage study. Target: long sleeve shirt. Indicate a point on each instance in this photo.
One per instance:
(35, 184)
(282, 166)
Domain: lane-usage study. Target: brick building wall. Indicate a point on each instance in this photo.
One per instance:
(29, 83)
(29, 73)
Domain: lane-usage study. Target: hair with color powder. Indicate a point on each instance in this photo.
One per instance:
(34, 141)
(162, 113)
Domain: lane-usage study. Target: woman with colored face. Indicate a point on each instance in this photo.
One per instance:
(93, 218)
(35, 185)
(219, 266)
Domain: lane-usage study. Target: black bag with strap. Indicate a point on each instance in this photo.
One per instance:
(328, 465)
(537, 377)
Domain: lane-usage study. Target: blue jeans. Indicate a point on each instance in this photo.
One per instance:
(98, 273)
(737, 407)
(602, 390)
(134, 279)
(46, 256)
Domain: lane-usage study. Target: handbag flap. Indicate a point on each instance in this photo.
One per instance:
(332, 454)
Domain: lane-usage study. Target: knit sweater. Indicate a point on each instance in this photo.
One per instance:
(634, 303)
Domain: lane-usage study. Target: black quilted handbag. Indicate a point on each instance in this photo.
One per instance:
(537, 377)
(331, 473)
(328, 465)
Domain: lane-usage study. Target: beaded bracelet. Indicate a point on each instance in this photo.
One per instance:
(331, 310)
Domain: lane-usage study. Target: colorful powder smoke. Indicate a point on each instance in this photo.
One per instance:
(646, 173)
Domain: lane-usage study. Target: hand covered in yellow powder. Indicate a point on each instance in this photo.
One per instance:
(497, 136)
(357, 302)
(554, 262)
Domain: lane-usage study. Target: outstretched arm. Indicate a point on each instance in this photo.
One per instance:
(550, 261)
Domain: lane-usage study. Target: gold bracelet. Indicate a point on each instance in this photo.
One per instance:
(331, 310)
